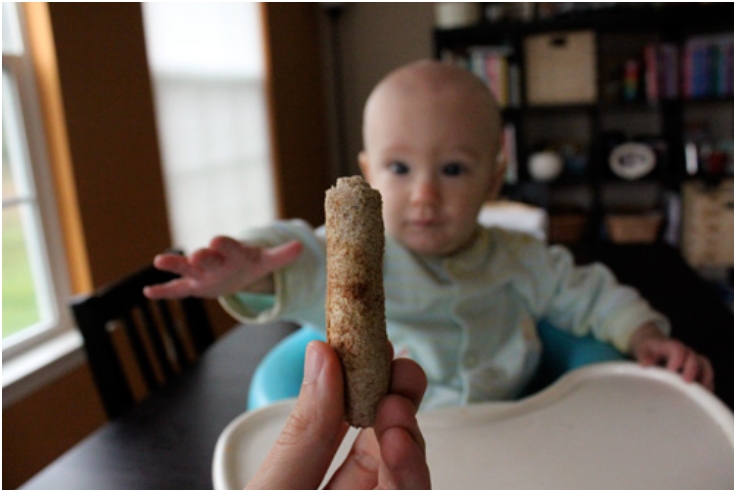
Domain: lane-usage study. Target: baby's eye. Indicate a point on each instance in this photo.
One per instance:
(453, 169)
(398, 167)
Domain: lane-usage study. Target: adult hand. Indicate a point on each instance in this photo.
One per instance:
(225, 267)
(389, 456)
(650, 346)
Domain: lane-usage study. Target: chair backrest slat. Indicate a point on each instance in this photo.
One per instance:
(173, 333)
(107, 370)
(140, 352)
(153, 331)
(154, 335)
(196, 315)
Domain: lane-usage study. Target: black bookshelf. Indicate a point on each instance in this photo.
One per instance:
(672, 23)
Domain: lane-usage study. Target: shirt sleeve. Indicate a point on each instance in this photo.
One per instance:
(299, 287)
(587, 299)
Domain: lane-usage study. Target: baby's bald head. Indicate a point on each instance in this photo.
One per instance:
(428, 81)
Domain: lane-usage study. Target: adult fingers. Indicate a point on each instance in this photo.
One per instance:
(364, 466)
(408, 380)
(404, 461)
(402, 445)
(389, 456)
(306, 446)
(360, 468)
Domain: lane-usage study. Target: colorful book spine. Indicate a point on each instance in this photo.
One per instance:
(652, 73)
(670, 70)
(707, 67)
(491, 64)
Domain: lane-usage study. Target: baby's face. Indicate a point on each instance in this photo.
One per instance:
(433, 160)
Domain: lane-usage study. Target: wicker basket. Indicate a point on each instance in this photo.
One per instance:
(566, 228)
(639, 228)
(707, 226)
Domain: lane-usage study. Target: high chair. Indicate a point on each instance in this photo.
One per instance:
(279, 375)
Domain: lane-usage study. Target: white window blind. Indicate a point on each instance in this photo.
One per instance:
(206, 62)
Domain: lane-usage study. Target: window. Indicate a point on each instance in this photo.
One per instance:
(34, 280)
(207, 69)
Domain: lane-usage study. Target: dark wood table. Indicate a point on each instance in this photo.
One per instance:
(168, 441)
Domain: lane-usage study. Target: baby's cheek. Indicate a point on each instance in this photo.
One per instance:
(391, 220)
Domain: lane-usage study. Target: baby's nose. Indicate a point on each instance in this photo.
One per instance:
(426, 192)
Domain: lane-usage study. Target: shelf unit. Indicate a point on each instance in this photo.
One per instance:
(620, 33)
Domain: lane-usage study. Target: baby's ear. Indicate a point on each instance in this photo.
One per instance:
(364, 167)
(497, 177)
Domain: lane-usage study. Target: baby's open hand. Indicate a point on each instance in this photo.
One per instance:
(650, 347)
(225, 267)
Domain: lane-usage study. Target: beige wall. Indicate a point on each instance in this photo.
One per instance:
(374, 38)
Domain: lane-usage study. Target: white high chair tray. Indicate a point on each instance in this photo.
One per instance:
(605, 426)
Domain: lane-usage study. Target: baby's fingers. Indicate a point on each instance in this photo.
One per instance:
(678, 358)
(675, 355)
(278, 257)
(173, 263)
(691, 367)
(705, 374)
(698, 368)
(175, 289)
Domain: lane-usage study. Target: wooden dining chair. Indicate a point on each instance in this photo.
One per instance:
(134, 345)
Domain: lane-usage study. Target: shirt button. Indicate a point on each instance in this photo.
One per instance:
(471, 361)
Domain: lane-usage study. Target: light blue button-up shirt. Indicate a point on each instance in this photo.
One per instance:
(469, 319)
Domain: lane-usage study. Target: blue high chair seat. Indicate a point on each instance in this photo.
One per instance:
(279, 375)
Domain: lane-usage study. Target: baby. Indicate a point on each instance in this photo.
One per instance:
(461, 300)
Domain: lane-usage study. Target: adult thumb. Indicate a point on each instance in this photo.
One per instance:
(307, 445)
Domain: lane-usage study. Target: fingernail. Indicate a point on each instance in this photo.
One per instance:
(313, 363)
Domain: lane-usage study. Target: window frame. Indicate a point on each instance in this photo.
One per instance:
(21, 68)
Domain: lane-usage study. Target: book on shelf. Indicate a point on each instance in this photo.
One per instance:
(701, 68)
(509, 154)
(492, 65)
(669, 61)
(661, 72)
(707, 67)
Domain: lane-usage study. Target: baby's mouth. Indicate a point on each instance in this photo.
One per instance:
(424, 222)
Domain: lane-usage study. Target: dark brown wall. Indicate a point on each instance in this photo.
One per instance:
(297, 109)
(108, 103)
(38, 429)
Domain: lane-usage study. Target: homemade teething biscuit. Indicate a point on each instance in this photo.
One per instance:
(356, 320)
